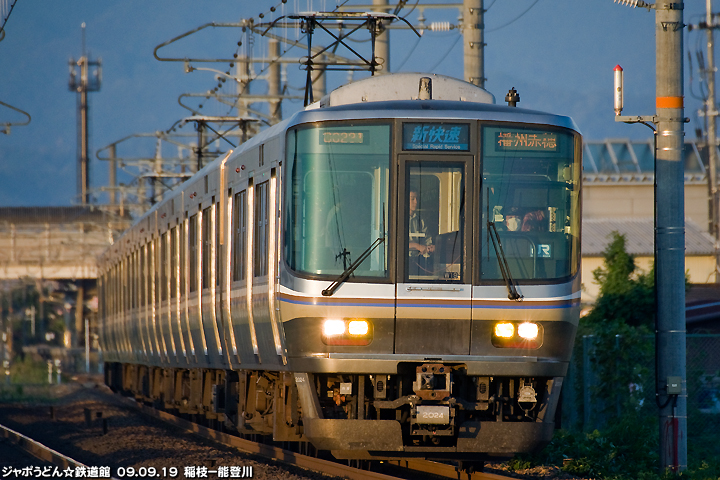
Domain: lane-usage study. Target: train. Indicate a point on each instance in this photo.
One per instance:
(393, 272)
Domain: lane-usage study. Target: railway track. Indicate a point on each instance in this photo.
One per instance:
(49, 459)
(89, 444)
(312, 463)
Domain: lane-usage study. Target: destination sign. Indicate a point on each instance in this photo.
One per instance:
(436, 136)
(342, 136)
(525, 141)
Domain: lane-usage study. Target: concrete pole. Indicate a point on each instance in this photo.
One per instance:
(113, 175)
(711, 114)
(158, 188)
(79, 308)
(670, 235)
(242, 72)
(274, 81)
(382, 41)
(83, 171)
(319, 78)
(473, 45)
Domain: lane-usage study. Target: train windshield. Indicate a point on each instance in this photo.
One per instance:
(338, 198)
(530, 196)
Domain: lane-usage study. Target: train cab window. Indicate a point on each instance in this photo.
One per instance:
(337, 190)
(530, 204)
(261, 229)
(239, 235)
(434, 222)
(193, 252)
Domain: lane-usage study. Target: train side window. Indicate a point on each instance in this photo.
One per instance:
(239, 230)
(206, 246)
(261, 229)
(156, 269)
(143, 276)
(163, 267)
(124, 285)
(173, 262)
(134, 260)
(183, 260)
(218, 250)
(193, 251)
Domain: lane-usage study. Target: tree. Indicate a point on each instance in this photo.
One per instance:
(626, 296)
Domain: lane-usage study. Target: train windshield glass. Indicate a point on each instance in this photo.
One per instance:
(338, 198)
(530, 192)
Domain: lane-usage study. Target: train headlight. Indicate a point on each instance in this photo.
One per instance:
(526, 335)
(358, 327)
(504, 330)
(333, 328)
(347, 332)
(528, 331)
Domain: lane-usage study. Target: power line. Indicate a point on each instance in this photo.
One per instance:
(514, 19)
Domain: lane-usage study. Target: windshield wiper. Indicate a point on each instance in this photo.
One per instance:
(348, 271)
(502, 262)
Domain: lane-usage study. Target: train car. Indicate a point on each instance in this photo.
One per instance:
(392, 272)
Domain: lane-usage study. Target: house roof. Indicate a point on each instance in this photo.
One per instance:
(639, 236)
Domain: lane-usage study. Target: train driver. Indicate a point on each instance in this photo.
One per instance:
(420, 243)
(532, 221)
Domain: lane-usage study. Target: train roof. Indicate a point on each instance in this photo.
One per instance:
(418, 95)
(398, 95)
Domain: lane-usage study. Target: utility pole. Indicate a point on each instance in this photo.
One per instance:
(710, 117)
(382, 41)
(274, 81)
(670, 235)
(670, 333)
(82, 85)
(473, 45)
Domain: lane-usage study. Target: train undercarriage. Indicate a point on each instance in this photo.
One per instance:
(427, 410)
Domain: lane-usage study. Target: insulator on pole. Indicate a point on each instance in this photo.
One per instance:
(440, 26)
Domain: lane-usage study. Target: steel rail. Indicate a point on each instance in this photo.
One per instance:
(40, 451)
(304, 461)
(286, 456)
(444, 470)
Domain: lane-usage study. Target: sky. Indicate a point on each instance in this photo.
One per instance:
(558, 54)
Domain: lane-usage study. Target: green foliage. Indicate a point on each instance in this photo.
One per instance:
(626, 296)
(28, 371)
(625, 446)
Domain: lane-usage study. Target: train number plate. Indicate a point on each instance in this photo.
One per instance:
(433, 414)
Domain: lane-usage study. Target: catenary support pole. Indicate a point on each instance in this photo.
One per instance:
(382, 41)
(711, 115)
(473, 44)
(670, 235)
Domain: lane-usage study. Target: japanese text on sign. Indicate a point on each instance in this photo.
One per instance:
(433, 136)
(524, 141)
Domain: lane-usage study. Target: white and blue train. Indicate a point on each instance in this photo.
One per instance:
(392, 272)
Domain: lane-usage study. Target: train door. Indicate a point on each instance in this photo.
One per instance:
(433, 306)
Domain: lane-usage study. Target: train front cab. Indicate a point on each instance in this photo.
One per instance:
(430, 284)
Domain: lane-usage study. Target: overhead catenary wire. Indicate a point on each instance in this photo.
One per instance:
(514, 19)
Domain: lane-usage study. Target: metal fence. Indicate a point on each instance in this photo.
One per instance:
(593, 395)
